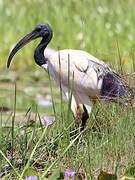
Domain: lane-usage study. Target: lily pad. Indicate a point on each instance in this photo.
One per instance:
(107, 176)
(30, 172)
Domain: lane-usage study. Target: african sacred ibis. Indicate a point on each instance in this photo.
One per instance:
(93, 78)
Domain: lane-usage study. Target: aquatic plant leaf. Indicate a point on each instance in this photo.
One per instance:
(129, 174)
(107, 176)
(55, 175)
(31, 173)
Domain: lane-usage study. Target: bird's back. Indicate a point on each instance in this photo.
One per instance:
(75, 55)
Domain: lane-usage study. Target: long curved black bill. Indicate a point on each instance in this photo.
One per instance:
(25, 40)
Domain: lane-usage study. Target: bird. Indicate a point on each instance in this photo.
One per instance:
(79, 73)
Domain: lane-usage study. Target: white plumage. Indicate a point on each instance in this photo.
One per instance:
(84, 67)
(88, 75)
(93, 78)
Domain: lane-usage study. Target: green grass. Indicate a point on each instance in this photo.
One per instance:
(95, 26)
(107, 143)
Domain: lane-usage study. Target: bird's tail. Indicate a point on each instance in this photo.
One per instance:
(115, 89)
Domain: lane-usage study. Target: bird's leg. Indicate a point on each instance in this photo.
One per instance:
(84, 118)
(77, 109)
(85, 108)
(79, 112)
(81, 116)
(75, 106)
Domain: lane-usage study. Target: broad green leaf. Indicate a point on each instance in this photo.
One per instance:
(127, 178)
(107, 176)
(129, 174)
(56, 175)
(30, 172)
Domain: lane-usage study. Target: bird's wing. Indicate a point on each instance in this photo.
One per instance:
(89, 75)
(87, 70)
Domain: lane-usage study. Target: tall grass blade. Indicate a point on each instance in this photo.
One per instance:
(13, 123)
(70, 88)
(133, 60)
(32, 153)
(68, 74)
(50, 82)
(60, 78)
(1, 137)
(41, 125)
(120, 60)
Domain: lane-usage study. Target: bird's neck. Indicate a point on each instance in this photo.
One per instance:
(39, 52)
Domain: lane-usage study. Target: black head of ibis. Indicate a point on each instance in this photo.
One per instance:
(42, 30)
